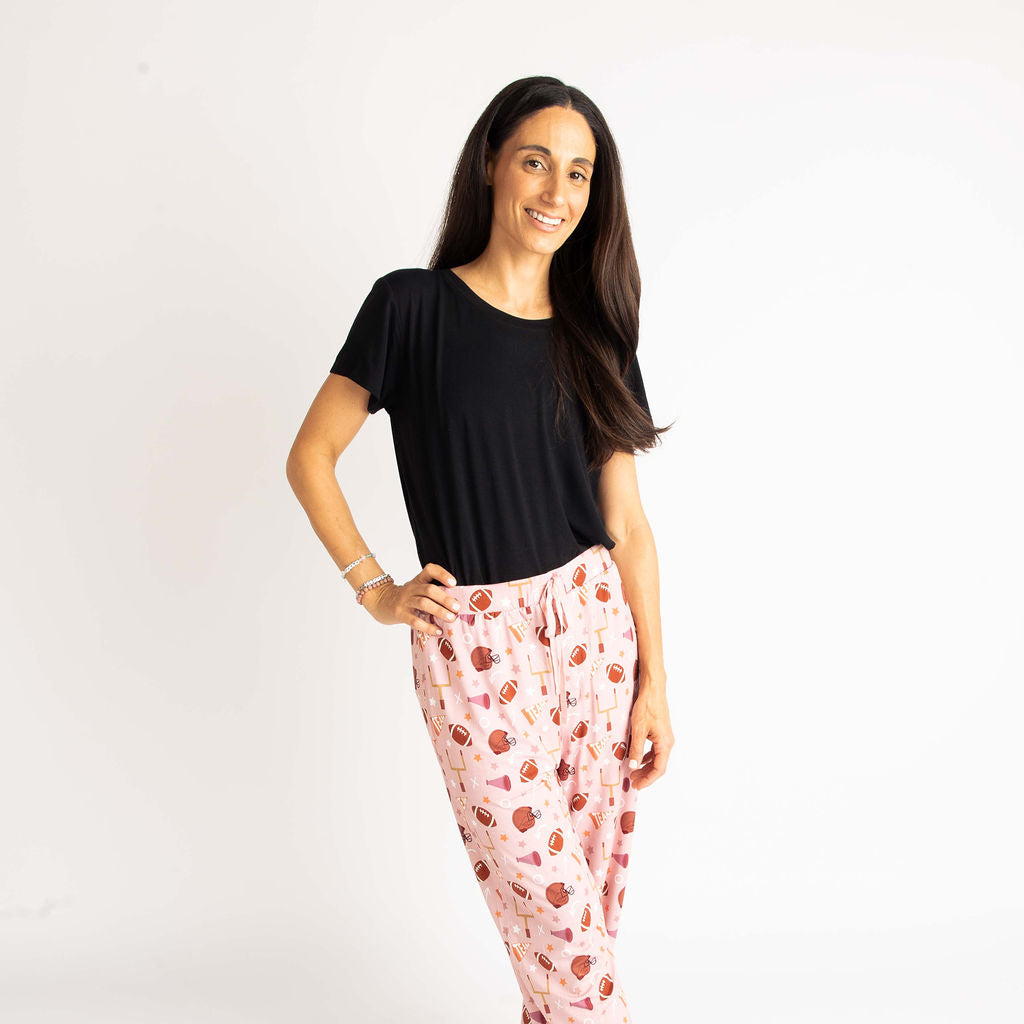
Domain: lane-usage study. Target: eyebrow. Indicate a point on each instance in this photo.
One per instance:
(547, 152)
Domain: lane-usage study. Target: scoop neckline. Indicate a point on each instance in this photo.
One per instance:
(499, 314)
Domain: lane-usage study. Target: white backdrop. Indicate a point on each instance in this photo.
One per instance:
(218, 801)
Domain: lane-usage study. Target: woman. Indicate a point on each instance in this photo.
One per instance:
(508, 370)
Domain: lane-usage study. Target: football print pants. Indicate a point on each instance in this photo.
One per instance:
(526, 697)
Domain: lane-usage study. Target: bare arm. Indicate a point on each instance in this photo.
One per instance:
(636, 558)
(333, 420)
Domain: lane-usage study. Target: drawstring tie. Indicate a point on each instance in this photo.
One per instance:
(555, 622)
(552, 609)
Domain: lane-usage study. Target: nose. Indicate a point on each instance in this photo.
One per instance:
(553, 195)
(553, 192)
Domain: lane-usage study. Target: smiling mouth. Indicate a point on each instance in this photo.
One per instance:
(550, 221)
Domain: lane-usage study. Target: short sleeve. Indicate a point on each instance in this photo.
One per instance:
(635, 382)
(369, 355)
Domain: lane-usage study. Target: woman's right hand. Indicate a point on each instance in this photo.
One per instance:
(399, 602)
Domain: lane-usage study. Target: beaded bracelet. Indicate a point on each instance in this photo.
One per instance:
(377, 581)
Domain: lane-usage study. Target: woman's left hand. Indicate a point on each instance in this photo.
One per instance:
(649, 720)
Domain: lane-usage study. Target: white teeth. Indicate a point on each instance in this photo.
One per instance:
(542, 218)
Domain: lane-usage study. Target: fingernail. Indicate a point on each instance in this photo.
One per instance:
(451, 582)
(632, 762)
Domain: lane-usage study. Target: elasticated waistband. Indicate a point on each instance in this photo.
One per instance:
(512, 595)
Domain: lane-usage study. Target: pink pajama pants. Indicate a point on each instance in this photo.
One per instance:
(526, 698)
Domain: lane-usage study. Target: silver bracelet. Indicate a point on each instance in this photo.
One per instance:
(352, 565)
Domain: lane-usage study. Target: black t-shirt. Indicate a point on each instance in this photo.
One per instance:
(492, 493)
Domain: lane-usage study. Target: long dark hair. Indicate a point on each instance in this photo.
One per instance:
(594, 281)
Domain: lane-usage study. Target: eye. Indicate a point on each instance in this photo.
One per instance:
(582, 177)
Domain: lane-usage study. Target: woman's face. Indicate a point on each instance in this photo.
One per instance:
(545, 167)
